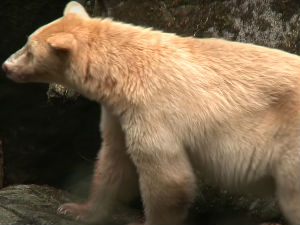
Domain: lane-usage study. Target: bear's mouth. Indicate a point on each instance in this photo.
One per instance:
(19, 78)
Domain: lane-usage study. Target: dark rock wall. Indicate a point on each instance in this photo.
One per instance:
(269, 23)
(42, 143)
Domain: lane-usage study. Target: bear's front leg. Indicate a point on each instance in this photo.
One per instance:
(166, 178)
(114, 181)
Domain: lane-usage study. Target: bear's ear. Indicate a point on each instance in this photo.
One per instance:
(62, 41)
(75, 7)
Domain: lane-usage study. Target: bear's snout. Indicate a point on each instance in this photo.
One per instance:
(5, 67)
(13, 71)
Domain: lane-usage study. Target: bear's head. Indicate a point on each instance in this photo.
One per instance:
(49, 52)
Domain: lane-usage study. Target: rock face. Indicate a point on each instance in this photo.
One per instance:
(37, 205)
(32, 205)
(265, 22)
(54, 140)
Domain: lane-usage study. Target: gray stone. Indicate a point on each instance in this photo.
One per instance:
(37, 205)
(32, 205)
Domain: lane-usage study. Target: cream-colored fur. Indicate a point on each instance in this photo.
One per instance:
(174, 110)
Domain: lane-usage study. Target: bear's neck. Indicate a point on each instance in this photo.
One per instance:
(121, 64)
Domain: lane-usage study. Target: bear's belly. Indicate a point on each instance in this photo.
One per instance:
(233, 165)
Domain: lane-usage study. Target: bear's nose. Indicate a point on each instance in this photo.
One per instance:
(5, 67)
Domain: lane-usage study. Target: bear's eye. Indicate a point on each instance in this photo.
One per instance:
(29, 54)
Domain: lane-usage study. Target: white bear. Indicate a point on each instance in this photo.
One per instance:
(176, 110)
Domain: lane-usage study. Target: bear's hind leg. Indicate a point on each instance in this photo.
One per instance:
(288, 187)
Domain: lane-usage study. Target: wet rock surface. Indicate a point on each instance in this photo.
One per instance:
(265, 22)
(32, 205)
(37, 205)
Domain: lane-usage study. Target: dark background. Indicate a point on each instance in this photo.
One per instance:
(43, 143)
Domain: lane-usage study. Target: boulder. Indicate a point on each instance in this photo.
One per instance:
(32, 205)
